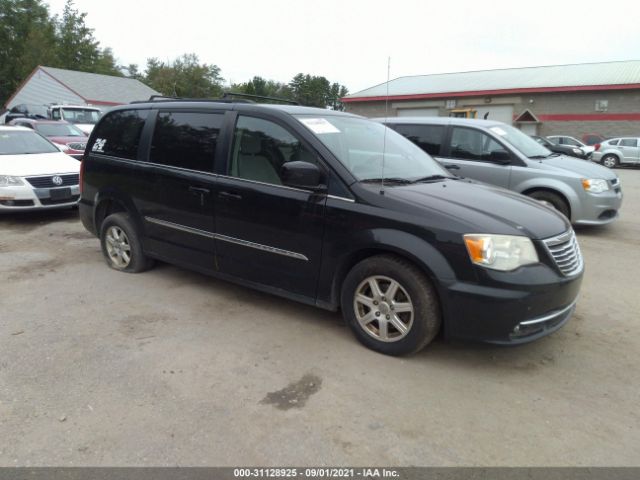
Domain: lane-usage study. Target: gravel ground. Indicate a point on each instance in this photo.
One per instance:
(172, 367)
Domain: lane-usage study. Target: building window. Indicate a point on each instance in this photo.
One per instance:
(450, 104)
(602, 105)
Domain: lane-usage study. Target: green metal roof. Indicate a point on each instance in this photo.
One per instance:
(578, 77)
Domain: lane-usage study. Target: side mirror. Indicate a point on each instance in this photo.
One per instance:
(500, 156)
(303, 175)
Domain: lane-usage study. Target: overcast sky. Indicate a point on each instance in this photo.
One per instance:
(349, 41)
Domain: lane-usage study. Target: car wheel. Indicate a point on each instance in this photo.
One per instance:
(610, 161)
(551, 200)
(121, 245)
(390, 305)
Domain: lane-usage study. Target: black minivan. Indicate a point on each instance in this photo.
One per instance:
(329, 209)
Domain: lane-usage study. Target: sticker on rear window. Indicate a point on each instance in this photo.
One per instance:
(319, 125)
(498, 130)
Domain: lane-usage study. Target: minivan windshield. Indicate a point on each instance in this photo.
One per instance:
(521, 142)
(24, 142)
(360, 145)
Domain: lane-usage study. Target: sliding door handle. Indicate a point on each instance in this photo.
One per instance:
(199, 191)
(230, 195)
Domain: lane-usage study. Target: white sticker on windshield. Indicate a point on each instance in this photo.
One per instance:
(498, 130)
(319, 125)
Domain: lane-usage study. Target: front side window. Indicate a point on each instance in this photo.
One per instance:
(427, 137)
(186, 140)
(118, 134)
(371, 151)
(628, 142)
(470, 144)
(261, 147)
(55, 114)
(24, 142)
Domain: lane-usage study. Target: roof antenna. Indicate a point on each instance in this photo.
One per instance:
(386, 116)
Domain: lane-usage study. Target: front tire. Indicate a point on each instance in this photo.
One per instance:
(390, 305)
(610, 161)
(553, 200)
(121, 245)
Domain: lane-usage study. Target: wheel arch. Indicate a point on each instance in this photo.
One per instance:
(107, 203)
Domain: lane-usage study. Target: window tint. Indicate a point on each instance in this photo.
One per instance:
(186, 140)
(261, 147)
(427, 137)
(471, 144)
(119, 134)
(628, 142)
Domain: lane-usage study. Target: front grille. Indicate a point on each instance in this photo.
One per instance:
(48, 201)
(77, 146)
(47, 182)
(565, 251)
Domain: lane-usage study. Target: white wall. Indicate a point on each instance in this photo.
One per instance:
(41, 89)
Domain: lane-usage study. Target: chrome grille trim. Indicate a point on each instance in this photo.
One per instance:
(565, 251)
(77, 145)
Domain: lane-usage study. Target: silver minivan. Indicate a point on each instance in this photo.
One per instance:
(495, 153)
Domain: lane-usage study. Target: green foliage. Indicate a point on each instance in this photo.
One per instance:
(184, 77)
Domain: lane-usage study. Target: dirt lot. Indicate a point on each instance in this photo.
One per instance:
(174, 368)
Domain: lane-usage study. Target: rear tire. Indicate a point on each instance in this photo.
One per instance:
(121, 245)
(610, 161)
(390, 305)
(551, 199)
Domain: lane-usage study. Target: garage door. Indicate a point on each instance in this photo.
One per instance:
(418, 112)
(501, 113)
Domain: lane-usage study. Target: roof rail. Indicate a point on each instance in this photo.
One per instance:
(258, 97)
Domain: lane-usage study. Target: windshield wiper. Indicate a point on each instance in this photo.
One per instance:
(538, 157)
(434, 177)
(402, 181)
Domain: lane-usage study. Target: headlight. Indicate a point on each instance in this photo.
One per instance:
(577, 151)
(7, 181)
(595, 185)
(500, 252)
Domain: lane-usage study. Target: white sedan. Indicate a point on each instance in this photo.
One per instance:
(34, 174)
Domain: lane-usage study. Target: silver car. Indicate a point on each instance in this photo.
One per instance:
(498, 154)
(572, 142)
(618, 151)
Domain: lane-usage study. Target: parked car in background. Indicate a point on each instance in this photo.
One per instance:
(572, 142)
(82, 116)
(499, 154)
(287, 199)
(68, 137)
(618, 151)
(34, 174)
(26, 111)
(592, 139)
(562, 149)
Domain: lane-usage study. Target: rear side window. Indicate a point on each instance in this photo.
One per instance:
(186, 140)
(118, 134)
(613, 142)
(427, 137)
(628, 142)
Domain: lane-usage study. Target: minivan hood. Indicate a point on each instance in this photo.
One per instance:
(481, 208)
(38, 164)
(584, 168)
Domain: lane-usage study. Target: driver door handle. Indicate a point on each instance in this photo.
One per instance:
(229, 195)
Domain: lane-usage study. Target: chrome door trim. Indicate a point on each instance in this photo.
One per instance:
(344, 199)
(225, 238)
(182, 228)
(259, 246)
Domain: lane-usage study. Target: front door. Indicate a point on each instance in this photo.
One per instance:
(629, 149)
(478, 155)
(268, 233)
(182, 156)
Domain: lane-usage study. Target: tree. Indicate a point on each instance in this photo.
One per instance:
(266, 88)
(317, 91)
(184, 77)
(27, 39)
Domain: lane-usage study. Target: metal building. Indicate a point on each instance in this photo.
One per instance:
(576, 100)
(47, 85)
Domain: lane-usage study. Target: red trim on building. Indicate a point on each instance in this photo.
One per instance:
(101, 102)
(480, 93)
(589, 117)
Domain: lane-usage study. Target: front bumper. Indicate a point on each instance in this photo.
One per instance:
(598, 208)
(26, 198)
(534, 302)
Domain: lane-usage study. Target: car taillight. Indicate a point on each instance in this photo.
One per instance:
(597, 146)
(81, 174)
